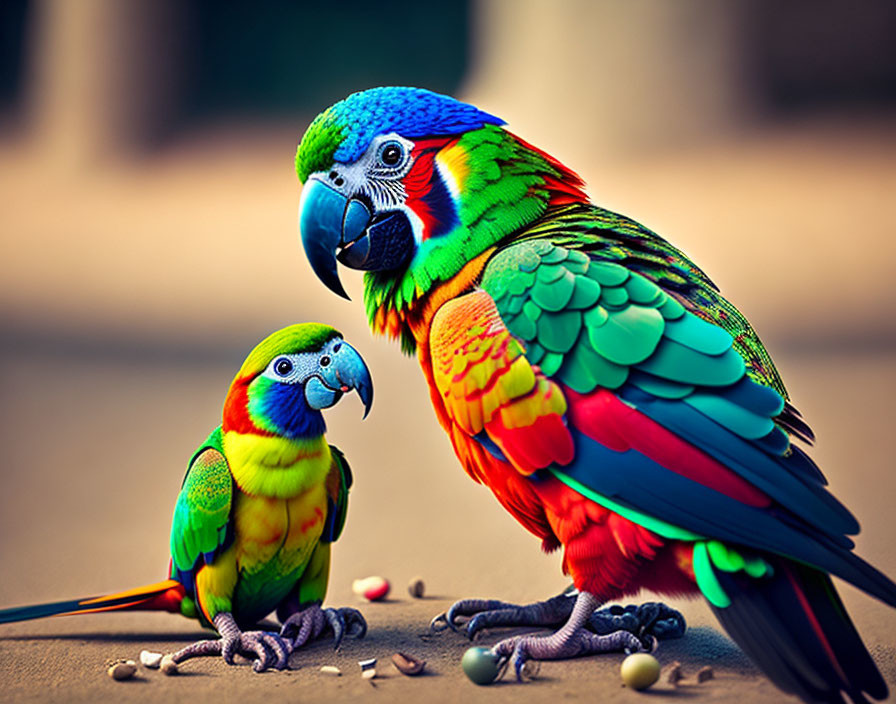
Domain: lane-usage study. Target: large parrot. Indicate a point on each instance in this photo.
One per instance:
(262, 500)
(594, 378)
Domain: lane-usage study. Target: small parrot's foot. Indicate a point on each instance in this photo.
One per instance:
(651, 619)
(572, 640)
(469, 616)
(268, 649)
(309, 623)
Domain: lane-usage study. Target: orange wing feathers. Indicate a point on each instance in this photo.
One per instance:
(485, 383)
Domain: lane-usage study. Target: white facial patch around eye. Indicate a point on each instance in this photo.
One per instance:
(292, 368)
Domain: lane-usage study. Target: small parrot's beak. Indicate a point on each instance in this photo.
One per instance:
(337, 228)
(346, 371)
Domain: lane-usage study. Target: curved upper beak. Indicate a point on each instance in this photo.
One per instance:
(348, 371)
(329, 221)
(335, 227)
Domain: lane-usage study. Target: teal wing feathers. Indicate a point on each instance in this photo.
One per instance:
(591, 323)
(613, 237)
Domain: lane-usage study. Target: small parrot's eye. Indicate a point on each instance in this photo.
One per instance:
(325, 361)
(283, 366)
(391, 153)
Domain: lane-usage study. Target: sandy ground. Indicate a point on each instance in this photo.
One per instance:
(129, 300)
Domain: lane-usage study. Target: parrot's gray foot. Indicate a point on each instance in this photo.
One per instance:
(572, 640)
(470, 616)
(268, 649)
(309, 623)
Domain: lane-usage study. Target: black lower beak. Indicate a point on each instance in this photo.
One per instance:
(334, 227)
(386, 245)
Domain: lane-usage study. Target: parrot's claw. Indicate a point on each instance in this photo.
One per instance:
(268, 649)
(439, 623)
(470, 616)
(649, 621)
(561, 645)
(582, 628)
(309, 623)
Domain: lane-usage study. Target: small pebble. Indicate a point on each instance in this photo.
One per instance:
(168, 666)
(368, 674)
(123, 670)
(408, 664)
(150, 659)
(371, 588)
(331, 670)
(416, 588)
(705, 673)
(640, 670)
(673, 674)
(480, 665)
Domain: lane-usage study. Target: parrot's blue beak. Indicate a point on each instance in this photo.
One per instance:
(335, 228)
(345, 371)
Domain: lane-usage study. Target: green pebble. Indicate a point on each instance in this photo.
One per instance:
(480, 665)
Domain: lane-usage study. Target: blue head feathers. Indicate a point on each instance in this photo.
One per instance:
(344, 131)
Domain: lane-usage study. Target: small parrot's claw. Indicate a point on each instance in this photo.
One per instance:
(268, 649)
(309, 623)
(345, 621)
(355, 623)
(304, 626)
(337, 625)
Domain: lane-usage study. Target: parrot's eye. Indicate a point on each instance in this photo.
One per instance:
(325, 361)
(283, 367)
(391, 153)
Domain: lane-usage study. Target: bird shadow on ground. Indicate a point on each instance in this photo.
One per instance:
(702, 645)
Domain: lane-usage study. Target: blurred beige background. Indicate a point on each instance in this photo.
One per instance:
(148, 208)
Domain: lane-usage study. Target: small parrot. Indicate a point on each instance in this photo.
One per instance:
(263, 498)
(596, 380)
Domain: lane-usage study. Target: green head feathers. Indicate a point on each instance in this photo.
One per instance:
(301, 337)
(290, 377)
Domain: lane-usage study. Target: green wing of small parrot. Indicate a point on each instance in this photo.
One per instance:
(202, 511)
